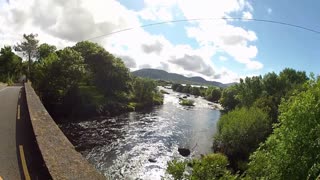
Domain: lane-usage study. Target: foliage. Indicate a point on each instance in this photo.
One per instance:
(162, 83)
(10, 65)
(176, 169)
(145, 92)
(28, 47)
(109, 73)
(86, 80)
(239, 133)
(213, 94)
(195, 91)
(292, 151)
(44, 50)
(56, 74)
(249, 90)
(212, 166)
(265, 92)
(186, 102)
(87, 49)
(163, 92)
(228, 98)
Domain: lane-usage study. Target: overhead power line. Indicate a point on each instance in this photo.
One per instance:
(206, 19)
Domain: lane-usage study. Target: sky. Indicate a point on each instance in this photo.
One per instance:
(215, 49)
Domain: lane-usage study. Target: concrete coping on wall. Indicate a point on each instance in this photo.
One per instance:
(59, 155)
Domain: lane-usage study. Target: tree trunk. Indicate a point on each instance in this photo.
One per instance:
(29, 67)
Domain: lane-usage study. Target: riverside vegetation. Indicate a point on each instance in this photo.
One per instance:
(271, 130)
(79, 81)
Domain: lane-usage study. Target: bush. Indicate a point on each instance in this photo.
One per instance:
(212, 166)
(239, 133)
(186, 102)
(176, 169)
(292, 151)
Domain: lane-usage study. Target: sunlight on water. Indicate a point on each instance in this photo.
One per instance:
(122, 147)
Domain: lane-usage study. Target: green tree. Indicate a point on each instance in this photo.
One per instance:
(228, 98)
(187, 89)
(44, 50)
(177, 87)
(195, 91)
(212, 166)
(249, 90)
(292, 151)
(10, 65)
(145, 93)
(88, 49)
(213, 94)
(56, 74)
(28, 47)
(109, 73)
(239, 133)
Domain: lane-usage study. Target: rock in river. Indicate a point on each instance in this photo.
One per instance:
(184, 151)
(152, 160)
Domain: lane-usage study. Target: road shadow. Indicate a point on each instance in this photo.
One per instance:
(25, 137)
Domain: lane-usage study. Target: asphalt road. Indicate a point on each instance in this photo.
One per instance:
(9, 162)
(20, 157)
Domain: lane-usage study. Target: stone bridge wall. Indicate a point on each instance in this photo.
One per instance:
(59, 155)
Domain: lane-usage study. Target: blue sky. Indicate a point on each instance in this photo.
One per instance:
(279, 46)
(218, 50)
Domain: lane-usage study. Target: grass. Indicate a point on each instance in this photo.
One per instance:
(163, 91)
(186, 102)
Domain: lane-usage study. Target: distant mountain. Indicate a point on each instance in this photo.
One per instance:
(177, 78)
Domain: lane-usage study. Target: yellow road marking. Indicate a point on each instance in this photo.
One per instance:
(18, 114)
(24, 163)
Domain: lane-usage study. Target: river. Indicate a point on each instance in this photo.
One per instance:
(120, 147)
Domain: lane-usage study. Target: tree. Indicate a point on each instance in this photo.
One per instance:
(29, 48)
(10, 65)
(87, 49)
(177, 87)
(109, 73)
(213, 94)
(57, 74)
(211, 166)
(186, 88)
(195, 91)
(239, 133)
(249, 90)
(292, 151)
(145, 91)
(44, 50)
(228, 98)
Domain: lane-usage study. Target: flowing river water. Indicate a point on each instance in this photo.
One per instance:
(121, 147)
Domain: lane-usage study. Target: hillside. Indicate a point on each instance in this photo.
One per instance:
(176, 78)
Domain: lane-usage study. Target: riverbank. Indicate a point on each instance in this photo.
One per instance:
(122, 146)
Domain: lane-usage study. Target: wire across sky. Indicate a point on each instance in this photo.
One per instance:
(206, 19)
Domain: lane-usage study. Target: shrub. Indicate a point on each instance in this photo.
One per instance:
(186, 102)
(292, 151)
(239, 133)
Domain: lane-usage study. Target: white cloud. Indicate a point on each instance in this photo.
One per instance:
(254, 65)
(246, 15)
(226, 76)
(223, 58)
(269, 10)
(63, 23)
(157, 10)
